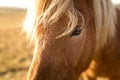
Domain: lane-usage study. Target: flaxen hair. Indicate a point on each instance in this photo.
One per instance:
(48, 12)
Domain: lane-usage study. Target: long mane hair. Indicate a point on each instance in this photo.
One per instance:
(47, 12)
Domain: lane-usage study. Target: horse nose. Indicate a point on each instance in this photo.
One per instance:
(49, 68)
(51, 65)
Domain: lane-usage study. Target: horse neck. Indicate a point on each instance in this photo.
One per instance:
(111, 48)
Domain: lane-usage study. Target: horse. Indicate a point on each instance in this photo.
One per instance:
(69, 35)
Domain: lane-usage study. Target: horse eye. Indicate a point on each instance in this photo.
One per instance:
(76, 31)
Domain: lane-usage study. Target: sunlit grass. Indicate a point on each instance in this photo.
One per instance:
(15, 50)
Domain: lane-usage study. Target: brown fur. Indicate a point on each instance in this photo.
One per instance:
(65, 58)
(107, 61)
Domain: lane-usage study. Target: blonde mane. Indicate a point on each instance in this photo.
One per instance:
(105, 20)
(47, 12)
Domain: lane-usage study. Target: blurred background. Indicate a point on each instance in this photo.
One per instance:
(15, 49)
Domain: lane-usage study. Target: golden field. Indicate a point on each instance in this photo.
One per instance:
(15, 50)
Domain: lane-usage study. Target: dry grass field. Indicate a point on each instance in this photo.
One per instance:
(15, 50)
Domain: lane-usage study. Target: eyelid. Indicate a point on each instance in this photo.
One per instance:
(80, 26)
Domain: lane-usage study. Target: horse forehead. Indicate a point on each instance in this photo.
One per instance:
(85, 8)
(60, 26)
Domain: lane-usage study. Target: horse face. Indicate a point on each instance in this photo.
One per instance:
(66, 57)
